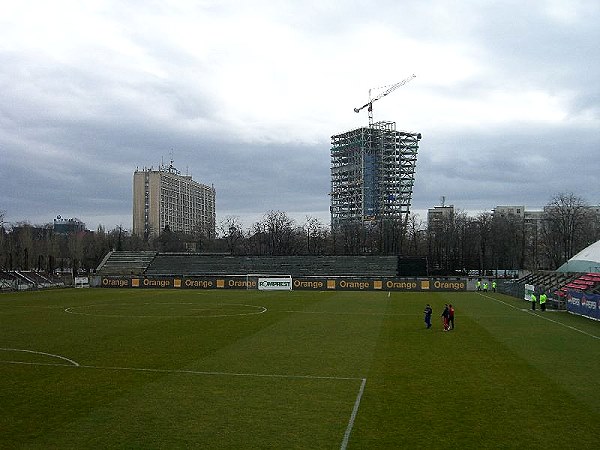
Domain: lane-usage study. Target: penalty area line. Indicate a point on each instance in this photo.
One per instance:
(350, 426)
(185, 372)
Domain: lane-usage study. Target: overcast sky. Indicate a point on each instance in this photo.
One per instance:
(245, 95)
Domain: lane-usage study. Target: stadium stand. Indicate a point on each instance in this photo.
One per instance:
(589, 282)
(35, 278)
(125, 263)
(7, 281)
(23, 280)
(548, 281)
(220, 264)
(556, 284)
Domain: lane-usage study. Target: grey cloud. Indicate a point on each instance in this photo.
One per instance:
(73, 131)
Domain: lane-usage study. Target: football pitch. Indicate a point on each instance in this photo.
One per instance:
(112, 368)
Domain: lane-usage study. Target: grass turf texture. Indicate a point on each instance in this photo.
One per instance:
(249, 369)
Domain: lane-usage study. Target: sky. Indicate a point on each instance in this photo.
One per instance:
(245, 96)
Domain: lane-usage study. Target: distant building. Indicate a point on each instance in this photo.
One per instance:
(68, 226)
(438, 215)
(509, 211)
(372, 174)
(165, 198)
(531, 218)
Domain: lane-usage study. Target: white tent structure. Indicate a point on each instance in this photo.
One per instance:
(587, 260)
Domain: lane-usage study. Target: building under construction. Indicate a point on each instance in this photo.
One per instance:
(372, 174)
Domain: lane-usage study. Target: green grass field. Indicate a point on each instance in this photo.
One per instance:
(104, 368)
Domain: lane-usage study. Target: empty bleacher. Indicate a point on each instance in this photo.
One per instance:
(27, 279)
(557, 284)
(8, 280)
(38, 279)
(588, 282)
(547, 281)
(125, 262)
(186, 264)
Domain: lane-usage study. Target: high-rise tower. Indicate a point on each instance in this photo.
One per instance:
(372, 174)
(164, 198)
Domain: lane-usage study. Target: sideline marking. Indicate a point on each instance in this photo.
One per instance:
(73, 363)
(528, 311)
(353, 415)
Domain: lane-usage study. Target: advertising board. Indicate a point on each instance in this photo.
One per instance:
(275, 284)
(285, 283)
(583, 304)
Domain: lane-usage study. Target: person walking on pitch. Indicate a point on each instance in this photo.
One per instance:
(428, 312)
(445, 317)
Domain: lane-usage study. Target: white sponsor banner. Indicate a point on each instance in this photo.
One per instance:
(82, 282)
(529, 289)
(275, 284)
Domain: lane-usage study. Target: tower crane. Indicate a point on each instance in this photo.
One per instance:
(389, 89)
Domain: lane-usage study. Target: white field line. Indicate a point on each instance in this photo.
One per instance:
(179, 371)
(217, 373)
(349, 427)
(73, 363)
(353, 415)
(528, 311)
(72, 310)
(350, 313)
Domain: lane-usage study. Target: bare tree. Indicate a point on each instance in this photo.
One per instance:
(392, 236)
(507, 242)
(445, 239)
(232, 233)
(316, 236)
(484, 229)
(274, 234)
(568, 227)
(415, 232)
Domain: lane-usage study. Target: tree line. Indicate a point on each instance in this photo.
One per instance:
(457, 243)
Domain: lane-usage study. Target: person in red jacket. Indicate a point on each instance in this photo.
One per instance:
(450, 317)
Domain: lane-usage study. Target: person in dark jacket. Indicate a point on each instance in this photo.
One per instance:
(428, 312)
(445, 317)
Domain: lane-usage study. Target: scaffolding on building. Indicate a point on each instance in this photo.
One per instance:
(372, 174)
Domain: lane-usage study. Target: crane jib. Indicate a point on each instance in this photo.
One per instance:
(381, 95)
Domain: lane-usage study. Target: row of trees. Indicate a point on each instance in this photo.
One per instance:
(566, 226)
(457, 242)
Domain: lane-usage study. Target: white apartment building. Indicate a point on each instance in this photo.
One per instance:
(164, 198)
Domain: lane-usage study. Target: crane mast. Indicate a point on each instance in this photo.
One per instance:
(388, 90)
